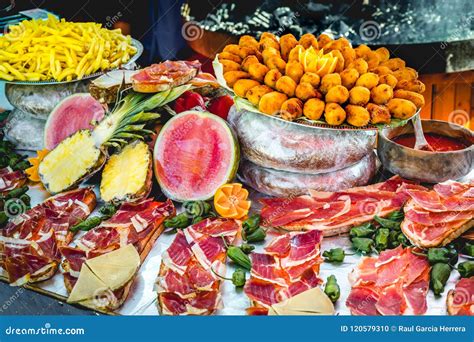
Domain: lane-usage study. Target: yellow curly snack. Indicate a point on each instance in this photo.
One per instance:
(53, 49)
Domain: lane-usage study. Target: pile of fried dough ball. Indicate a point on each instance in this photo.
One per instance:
(363, 87)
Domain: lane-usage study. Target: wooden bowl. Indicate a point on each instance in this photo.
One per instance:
(423, 166)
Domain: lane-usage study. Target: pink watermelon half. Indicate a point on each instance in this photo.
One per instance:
(195, 153)
(72, 114)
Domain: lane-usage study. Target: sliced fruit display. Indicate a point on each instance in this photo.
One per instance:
(32, 172)
(195, 153)
(230, 201)
(318, 62)
(119, 186)
(72, 114)
(83, 153)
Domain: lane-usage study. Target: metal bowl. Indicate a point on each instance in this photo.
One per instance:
(423, 166)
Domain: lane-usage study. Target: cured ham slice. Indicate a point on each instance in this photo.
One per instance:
(460, 301)
(436, 217)
(29, 243)
(164, 76)
(187, 283)
(10, 179)
(289, 266)
(138, 224)
(394, 283)
(336, 212)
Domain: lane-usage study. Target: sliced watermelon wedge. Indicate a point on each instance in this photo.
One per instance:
(195, 153)
(72, 114)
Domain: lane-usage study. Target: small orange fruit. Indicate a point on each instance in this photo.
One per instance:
(230, 201)
(32, 172)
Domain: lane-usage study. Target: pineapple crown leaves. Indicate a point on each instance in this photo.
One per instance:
(128, 118)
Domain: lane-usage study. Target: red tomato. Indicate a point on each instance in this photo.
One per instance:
(221, 105)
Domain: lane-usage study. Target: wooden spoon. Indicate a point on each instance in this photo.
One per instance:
(420, 140)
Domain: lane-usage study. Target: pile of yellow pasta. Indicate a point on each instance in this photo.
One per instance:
(53, 49)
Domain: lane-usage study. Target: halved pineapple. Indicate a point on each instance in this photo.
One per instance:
(127, 174)
(74, 159)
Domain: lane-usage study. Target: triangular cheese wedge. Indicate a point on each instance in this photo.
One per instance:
(87, 286)
(116, 268)
(311, 302)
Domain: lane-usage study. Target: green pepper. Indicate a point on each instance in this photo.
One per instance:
(238, 277)
(15, 193)
(396, 216)
(381, 239)
(179, 221)
(246, 248)
(256, 236)
(386, 223)
(108, 210)
(363, 231)
(334, 255)
(87, 224)
(21, 165)
(332, 289)
(438, 277)
(469, 249)
(363, 245)
(403, 240)
(393, 239)
(466, 269)
(251, 224)
(25, 199)
(196, 208)
(3, 218)
(239, 257)
(443, 255)
(197, 219)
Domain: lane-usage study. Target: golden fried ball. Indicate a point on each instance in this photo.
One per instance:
(252, 59)
(368, 80)
(276, 62)
(307, 40)
(328, 81)
(359, 96)
(388, 79)
(405, 74)
(381, 70)
(295, 70)
(334, 114)
(255, 94)
(394, 63)
(291, 109)
(294, 54)
(349, 56)
(338, 94)
(229, 65)
(268, 35)
(269, 53)
(248, 41)
(383, 54)
(258, 71)
(360, 65)
(381, 94)
(286, 85)
(372, 59)
(413, 85)
(305, 91)
(401, 108)
(272, 77)
(247, 51)
(378, 114)
(417, 99)
(313, 109)
(233, 49)
(271, 103)
(287, 43)
(233, 76)
(323, 39)
(229, 56)
(265, 43)
(243, 85)
(349, 77)
(362, 50)
(311, 77)
(357, 116)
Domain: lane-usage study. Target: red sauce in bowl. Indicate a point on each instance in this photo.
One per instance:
(438, 142)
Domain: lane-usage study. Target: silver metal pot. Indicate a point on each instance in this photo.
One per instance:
(424, 166)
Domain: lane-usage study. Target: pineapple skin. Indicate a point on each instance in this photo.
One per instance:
(72, 161)
(127, 175)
